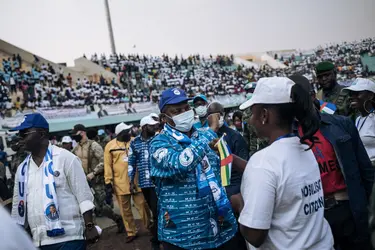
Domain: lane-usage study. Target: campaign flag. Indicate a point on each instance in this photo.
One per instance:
(327, 107)
(226, 159)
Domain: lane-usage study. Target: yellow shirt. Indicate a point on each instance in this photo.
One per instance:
(116, 167)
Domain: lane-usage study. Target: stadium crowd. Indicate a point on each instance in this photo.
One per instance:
(142, 78)
(306, 157)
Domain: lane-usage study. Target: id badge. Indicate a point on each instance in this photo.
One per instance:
(125, 159)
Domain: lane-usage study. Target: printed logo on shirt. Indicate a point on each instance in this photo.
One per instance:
(310, 190)
(51, 212)
(186, 157)
(21, 208)
(215, 190)
(160, 154)
(214, 226)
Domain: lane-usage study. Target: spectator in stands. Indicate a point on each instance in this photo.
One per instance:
(13, 87)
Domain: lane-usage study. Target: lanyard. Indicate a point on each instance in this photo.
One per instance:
(285, 136)
(357, 125)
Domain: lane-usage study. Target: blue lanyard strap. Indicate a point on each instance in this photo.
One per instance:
(360, 118)
(285, 136)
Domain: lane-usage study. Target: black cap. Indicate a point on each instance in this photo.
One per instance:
(77, 127)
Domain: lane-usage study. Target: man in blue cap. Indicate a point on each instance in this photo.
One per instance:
(194, 211)
(51, 176)
(200, 103)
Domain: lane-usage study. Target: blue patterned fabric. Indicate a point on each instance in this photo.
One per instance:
(186, 219)
(139, 159)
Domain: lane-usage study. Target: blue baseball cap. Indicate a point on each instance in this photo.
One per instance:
(101, 132)
(172, 96)
(200, 96)
(34, 120)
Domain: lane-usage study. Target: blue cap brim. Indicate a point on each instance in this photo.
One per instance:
(201, 97)
(18, 128)
(176, 101)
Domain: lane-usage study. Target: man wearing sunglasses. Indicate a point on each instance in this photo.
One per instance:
(51, 177)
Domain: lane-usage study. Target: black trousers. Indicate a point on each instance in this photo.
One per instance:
(152, 201)
(229, 245)
(341, 220)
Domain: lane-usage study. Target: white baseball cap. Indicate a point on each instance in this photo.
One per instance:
(154, 115)
(270, 90)
(361, 84)
(66, 139)
(148, 120)
(121, 127)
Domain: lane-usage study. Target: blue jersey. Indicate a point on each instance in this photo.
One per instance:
(186, 219)
(139, 160)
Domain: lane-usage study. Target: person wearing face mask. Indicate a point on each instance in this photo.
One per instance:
(139, 163)
(362, 95)
(200, 103)
(92, 156)
(117, 181)
(194, 210)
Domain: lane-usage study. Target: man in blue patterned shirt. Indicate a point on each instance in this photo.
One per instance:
(139, 160)
(193, 210)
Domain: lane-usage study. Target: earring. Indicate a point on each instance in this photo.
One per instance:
(364, 106)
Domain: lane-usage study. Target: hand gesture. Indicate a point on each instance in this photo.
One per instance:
(213, 121)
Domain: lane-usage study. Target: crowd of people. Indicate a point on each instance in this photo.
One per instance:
(143, 78)
(292, 169)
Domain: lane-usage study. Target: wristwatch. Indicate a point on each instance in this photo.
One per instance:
(90, 225)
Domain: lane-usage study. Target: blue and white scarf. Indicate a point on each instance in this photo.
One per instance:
(50, 204)
(206, 180)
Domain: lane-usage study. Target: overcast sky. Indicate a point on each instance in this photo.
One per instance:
(62, 30)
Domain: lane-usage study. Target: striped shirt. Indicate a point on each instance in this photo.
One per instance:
(139, 160)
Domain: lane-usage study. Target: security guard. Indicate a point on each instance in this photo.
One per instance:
(92, 155)
(330, 90)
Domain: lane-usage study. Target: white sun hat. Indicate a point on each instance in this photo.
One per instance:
(361, 84)
(270, 90)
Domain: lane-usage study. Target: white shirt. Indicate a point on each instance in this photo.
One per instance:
(12, 237)
(73, 194)
(12, 81)
(276, 188)
(366, 129)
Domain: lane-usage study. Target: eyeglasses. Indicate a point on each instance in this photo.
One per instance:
(25, 134)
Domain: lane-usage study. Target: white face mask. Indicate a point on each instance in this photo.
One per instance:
(184, 121)
(201, 111)
(221, 121)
